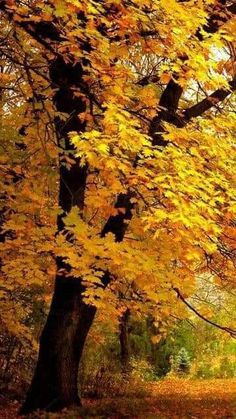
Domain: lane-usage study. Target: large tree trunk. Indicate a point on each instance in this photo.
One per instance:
(54, 385)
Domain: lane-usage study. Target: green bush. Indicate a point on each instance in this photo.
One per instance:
(224, 367)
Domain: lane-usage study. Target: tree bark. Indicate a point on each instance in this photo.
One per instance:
(124, 341)
(54, 385)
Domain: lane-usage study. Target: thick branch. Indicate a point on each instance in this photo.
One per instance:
(220, 14)
(216, 97)
(117, 224)
(168, 105)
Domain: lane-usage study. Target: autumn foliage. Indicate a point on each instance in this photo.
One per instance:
(118, 159)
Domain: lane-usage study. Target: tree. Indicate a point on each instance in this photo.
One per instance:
(144, 184)
(182, 362)
(124, 341)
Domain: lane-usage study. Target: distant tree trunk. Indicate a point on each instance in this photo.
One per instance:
(124, 341)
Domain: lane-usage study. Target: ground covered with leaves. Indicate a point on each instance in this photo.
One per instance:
(170, 398)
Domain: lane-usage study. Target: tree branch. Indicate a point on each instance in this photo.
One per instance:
(212, 100)
(232, 332)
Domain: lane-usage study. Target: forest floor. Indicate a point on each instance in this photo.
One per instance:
(169, 398)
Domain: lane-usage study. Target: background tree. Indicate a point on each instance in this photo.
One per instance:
(182, 362)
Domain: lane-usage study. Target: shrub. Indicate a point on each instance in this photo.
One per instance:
(221, 367)
(142, 369)
(182, 362)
